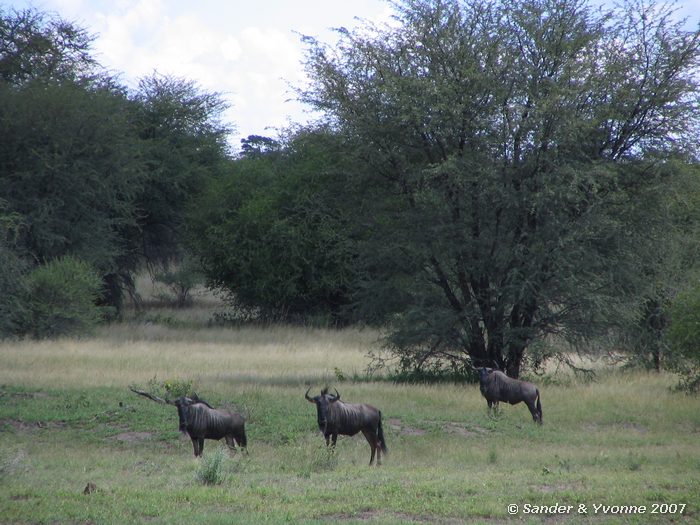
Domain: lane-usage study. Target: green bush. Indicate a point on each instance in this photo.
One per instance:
(180, 279)
(13, 286)
(62, 297)
(683, 338)
(171, 388)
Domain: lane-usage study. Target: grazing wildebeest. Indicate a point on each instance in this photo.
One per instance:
(200, 421)
(495, 386)
(337, 417)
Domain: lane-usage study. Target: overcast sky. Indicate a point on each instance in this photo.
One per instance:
(247, 50)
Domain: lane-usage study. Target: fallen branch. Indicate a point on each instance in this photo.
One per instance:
(150, 396)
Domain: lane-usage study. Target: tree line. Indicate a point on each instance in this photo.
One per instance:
(490, 180)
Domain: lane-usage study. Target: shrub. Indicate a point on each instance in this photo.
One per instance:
(171, 388)
(62, 296)
(180, 279)
(683, 338)
(12, 283)
(211, 469)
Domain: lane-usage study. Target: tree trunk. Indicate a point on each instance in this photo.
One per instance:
(514, 361)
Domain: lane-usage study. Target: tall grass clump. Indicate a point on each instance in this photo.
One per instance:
(211, 469)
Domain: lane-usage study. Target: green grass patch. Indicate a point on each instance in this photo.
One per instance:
(68, 419)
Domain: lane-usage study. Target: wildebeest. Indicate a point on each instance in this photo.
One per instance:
(495, 386)
(200, 421)
(337, 417)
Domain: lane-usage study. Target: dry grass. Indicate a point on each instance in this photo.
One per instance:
(128, 353)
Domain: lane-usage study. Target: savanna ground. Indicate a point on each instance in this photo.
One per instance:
(68, 419)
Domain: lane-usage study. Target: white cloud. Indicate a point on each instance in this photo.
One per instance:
(249, 52)
(230, 48)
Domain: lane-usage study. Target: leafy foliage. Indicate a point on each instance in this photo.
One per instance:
(518, 150)
(171, 388)
(684, 337)
(270, 233)
(62, 296)
(180, 278)
(92, 170)
(13, 286)
(12, 283)
(68, 170)
(36, 45)
(183, 144)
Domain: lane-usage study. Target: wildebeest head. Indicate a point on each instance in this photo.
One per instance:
(484, 373)
(183, 405)
(322, 402)
(183, 408)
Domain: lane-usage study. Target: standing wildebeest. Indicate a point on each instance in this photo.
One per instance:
(337, 417)
(495, 386)
(201, 421)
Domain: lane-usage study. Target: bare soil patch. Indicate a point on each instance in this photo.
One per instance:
(26, 426)
(405, 430)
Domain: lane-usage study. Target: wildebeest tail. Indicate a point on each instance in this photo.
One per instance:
(380, 434)
(539, 405)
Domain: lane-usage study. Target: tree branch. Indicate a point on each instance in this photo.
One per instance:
(151, 396)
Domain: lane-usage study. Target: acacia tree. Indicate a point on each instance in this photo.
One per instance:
(520, 151)
(35, 45)
(182, 145)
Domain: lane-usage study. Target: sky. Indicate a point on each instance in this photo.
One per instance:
(249, 51)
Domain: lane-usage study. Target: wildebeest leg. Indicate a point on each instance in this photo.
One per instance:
(242, 441)
(373, 445)
(230, 443)
(531, 408)
(195, 445)
(201, 446)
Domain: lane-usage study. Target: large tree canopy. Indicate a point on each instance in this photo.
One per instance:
(183, 144)
(35, 45)
(88, 169)
(274, 232)
(521, 147)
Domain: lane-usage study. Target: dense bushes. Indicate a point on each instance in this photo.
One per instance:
(13, 287)
(684, 338)
(57, 298)
(274, 232)
(61, 298)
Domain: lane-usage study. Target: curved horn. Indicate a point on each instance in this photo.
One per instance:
(337, 394)
(307, 396)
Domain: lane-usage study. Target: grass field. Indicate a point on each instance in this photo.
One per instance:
(68, 419)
